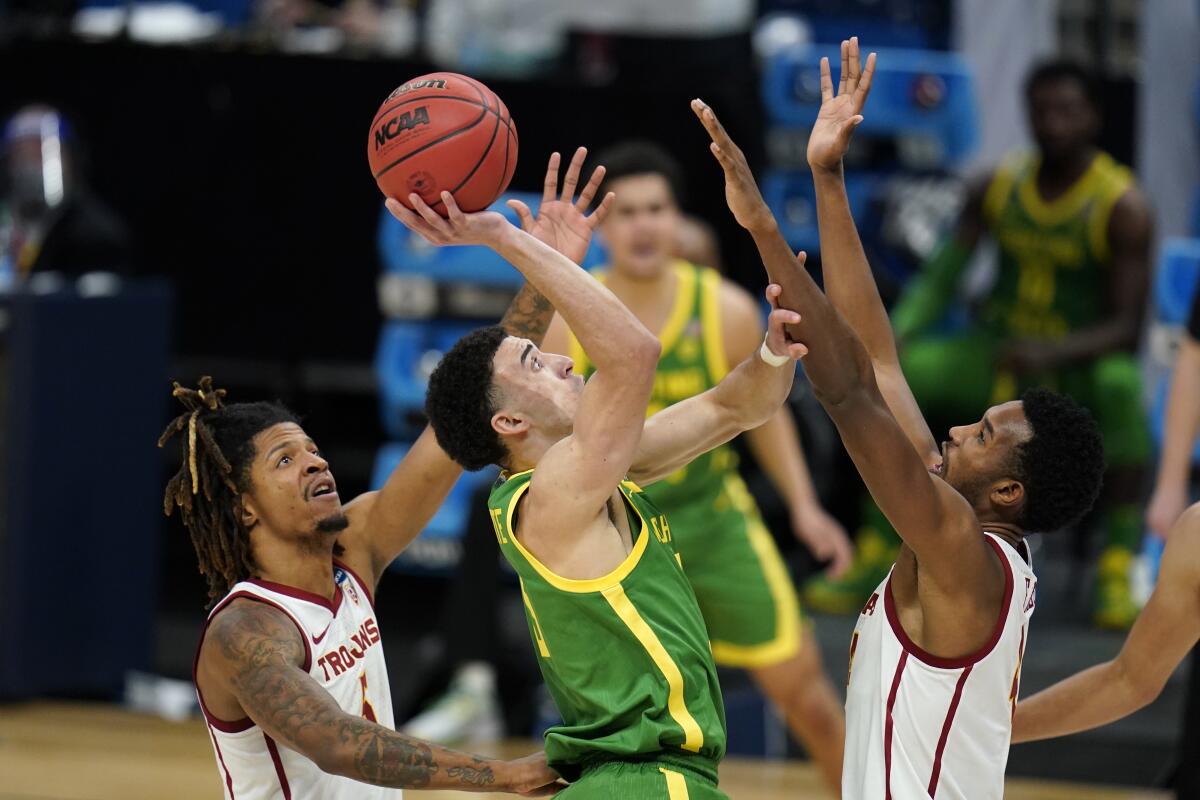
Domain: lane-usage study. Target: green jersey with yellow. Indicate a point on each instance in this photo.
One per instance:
(625, 656)
(741, 583)
(1053, 255)
(692, 361)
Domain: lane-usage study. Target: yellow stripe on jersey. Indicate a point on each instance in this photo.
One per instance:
(710, 325)
(575, 585)
(693, 737)
(681, 312)
(537, 626)
(676, 785)
(1066, 206)
(1116, 183)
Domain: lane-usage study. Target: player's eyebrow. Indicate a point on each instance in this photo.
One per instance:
(525, 352)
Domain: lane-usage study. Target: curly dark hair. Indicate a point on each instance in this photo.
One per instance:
(1061, 465)
(217, 451)
(1062, 70)
(462, 399)
(640, 157)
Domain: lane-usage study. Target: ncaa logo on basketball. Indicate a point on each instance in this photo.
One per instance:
(414, 85)
(399, 124)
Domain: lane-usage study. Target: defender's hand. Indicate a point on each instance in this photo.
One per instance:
(484, 227)
(741, 192)
(531, 777)
(779, 342)
(562, 222)
(840, 114)
(824, 536)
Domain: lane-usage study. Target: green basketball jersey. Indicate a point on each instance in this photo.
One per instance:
(1053, 256)
(692, 361)
(625, 656)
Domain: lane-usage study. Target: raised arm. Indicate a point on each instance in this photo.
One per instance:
(745, 398)
(1164, 633)
(1179, 437)
(848, 279)
(932, 518)
(254, 653)
(384, 522)
(583, 469)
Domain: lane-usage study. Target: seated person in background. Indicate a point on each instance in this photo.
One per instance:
(1073, 232)
(50, 221)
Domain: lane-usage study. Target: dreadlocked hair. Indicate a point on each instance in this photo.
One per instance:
(217, 451)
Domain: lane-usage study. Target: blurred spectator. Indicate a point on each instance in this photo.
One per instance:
(388, 26)
(50, 220)
(1073, 234)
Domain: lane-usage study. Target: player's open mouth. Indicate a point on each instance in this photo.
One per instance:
(322, 488)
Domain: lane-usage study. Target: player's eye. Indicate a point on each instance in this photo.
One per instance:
(284, 460)
(981, 437)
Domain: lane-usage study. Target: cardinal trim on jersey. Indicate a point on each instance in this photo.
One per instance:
(937, 662)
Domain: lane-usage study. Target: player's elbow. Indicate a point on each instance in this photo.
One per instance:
(645, 352)
(1141, 687)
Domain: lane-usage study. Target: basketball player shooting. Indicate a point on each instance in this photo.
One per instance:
(290, 670)
(936, 654)
(619, 634)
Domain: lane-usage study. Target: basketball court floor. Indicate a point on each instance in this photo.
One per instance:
(79, 751)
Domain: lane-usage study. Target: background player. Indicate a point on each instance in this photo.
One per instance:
(620, 638)
(704, 324)
(957, 600)
(291, 655)
(1073, 235)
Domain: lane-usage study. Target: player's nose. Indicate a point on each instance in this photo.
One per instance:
(957, 433)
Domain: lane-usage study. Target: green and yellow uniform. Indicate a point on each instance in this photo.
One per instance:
(1052, 279)
(626, 659)
(741, 583)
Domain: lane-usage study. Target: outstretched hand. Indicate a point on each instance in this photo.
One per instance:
(840, 113)
(741, 192)
(562, 221)
(483, 227)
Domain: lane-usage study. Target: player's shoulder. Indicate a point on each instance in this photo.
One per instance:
(246, 631)
(738, 306)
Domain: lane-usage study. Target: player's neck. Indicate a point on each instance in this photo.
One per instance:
(1005, 530)
(1061, 173)
(308, 566)
(644, 294)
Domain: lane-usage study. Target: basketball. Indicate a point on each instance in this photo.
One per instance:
(443, 132)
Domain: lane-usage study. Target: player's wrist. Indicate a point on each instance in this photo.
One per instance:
(769, 356)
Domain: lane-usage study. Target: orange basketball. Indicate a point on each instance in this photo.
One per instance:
(443, 132)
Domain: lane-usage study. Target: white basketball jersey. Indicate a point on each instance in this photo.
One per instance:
(343, 653)
(920, 726)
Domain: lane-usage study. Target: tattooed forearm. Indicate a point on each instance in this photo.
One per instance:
(528, 315)
(477, 773)
(260, 655)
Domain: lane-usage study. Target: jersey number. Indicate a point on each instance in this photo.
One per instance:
(367, 711)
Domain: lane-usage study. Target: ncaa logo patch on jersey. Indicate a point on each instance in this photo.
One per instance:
(343, 580)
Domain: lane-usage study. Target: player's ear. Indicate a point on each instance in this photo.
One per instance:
(246, 511)
(509, 424)
(1008, 495)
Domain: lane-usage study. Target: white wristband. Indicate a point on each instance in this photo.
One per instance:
(773, 360)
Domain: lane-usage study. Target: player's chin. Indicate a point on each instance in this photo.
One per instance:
(333, 523)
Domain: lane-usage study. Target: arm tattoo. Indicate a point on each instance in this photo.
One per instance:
(529, 315)
(262, 654)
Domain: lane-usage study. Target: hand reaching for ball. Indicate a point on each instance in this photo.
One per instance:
(481, 227)
(562, 221)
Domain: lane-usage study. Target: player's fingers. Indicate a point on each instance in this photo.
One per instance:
(602, 210)
(797, 350)
(590, 188)
(410, 219)
(550, 184)
(773, 292)
(431, 217)
(855, 66)
(864, 84)
(782, 316)
(826, 82)
(455, 215)
(698, 108)
(801, 257)
(523, 214)
(845, 67)
(572, 178)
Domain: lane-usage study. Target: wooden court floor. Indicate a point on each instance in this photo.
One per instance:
(74, 751)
